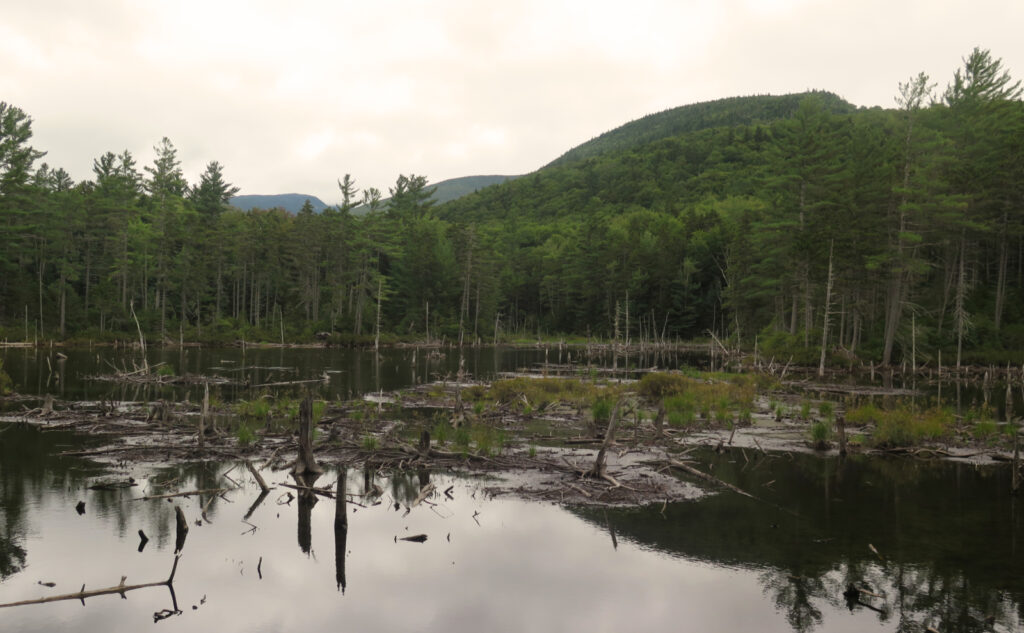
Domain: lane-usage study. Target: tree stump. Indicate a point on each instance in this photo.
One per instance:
(306, 470)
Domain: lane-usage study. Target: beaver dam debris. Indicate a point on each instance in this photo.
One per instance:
(590, 440)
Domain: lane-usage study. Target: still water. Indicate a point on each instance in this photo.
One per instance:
(947, 536)
(339, 373)
(937, 543)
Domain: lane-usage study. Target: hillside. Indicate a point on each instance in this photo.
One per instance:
(699, 116)
(290, 202)
(453, 189)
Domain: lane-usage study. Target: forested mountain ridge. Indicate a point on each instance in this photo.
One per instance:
(728, 112)
(291, 202)
(886, 235)
(448, 190)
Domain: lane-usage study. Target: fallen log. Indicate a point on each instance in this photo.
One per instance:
(708, 478)
(257, 476)
(212, 491)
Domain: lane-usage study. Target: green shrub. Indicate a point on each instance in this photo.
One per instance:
(246, 436)
(985, 430)
(602, 410)
(821, 433)
(462, 437)
(825, 410)
(805, 410)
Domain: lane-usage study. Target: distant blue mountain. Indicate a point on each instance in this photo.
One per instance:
(291, 202)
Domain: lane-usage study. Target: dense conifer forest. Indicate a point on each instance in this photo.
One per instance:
(798, 221)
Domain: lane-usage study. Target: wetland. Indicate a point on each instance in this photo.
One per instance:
(511, 525)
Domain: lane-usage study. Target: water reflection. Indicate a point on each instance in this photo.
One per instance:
(946, 537)
(341, 373)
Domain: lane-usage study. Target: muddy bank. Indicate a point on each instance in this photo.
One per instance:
(563, 440)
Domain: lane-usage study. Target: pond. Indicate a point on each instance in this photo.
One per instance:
(937, 544)
(338, 373)
(927, 543)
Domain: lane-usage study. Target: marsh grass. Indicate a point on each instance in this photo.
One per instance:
(717, 397)
(244, 434)
(904, 425)
(538, 393)
(369, 442)
(821, 433)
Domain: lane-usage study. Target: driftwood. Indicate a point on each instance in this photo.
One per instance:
(257, 476)
(323, 492)
(211, 491)
(708, 478)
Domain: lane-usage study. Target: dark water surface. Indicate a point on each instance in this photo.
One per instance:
(349, 372)
(949, 537)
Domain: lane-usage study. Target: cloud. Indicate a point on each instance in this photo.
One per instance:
(290, 96)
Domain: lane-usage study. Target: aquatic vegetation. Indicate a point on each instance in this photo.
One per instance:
(985, 431)
(826, 410)
(539, 392)
(369, 442)
(440, 432)
(602, 409)
(821, 433)
(244, 434)
(905, 425)
(805, 410)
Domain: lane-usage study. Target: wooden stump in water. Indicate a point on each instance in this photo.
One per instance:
(306, 469)
(841, 431)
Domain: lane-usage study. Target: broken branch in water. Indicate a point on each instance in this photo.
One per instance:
(121, 588)
(212, 491)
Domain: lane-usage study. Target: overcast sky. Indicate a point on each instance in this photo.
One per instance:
(291, 95)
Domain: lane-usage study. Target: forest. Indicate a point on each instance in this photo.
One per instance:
(798, 223)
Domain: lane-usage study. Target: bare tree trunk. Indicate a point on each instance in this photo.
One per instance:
(828, 301)
(1004, 257)
(376, 339)
(961, 312)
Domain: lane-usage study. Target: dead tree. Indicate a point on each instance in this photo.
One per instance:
(305, 470)
(599, 470)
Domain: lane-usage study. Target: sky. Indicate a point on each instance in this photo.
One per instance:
(291, 96)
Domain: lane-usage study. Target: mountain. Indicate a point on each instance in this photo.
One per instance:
(290, 202)
(452, 189)
(700, 116)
